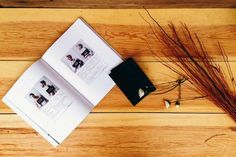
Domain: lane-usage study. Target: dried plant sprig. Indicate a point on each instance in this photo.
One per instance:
(188, 53)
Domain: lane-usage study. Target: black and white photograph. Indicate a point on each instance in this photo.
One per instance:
(42, 92)
(77, 56)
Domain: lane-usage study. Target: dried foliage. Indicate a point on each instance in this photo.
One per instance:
(187, 52)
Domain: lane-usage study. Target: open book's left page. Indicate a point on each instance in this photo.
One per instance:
(47, 102)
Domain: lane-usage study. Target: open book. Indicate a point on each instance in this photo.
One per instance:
(58, 91)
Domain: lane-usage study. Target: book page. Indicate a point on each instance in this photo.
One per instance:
(84, 59)
(48, 102)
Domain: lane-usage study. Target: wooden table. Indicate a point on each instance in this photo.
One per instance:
(115, 128)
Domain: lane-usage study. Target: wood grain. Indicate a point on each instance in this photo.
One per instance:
(117, 3)
(115, 128)
(25, 34)
(127, 134)
(115, 101)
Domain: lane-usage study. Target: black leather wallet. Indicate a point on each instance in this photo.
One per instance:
(132, 81)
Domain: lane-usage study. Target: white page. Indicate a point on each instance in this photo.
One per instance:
(85, 67)
(54, 109)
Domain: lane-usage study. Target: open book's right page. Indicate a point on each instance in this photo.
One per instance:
(84, 59)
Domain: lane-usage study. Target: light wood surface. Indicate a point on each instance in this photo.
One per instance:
(27, 33)
(115, 128)
(127, 134)
(157, 72)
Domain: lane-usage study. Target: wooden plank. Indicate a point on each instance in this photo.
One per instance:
(207, 132)
(115, 101)
(117, 3)
(127, 135)
(37, 29)
(136, 119)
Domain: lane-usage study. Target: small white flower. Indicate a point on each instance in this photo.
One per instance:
(140, 93)
(167, 103)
